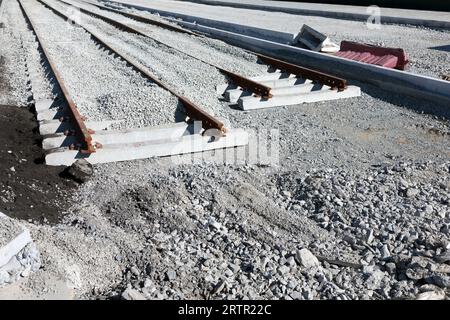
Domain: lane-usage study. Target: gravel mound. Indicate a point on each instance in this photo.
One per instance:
(161, 231)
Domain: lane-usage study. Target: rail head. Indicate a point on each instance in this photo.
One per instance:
(81, 129)
(208, 121)
(248, 84)
(323, 78)
(193, 111)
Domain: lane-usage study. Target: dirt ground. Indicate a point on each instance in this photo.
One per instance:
(28, 188)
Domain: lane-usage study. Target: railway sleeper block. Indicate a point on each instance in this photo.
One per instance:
(158, 142)
(233, 96)
(51, 127)
(324, 94)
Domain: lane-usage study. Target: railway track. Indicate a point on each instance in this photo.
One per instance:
(68, 135)
(283, 84)
(201, 131)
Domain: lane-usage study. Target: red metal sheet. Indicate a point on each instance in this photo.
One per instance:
(385, 57)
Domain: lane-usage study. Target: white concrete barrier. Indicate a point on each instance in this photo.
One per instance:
(16, 242)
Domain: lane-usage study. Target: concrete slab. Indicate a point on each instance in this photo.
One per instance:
(51, 114)
(272, 76)
(252, 103)
(221, 88)
(299, 89)
(234, 95)
(43, 104)
(433, 19)
(148, 149)
(272, 80)
(287, 82)
(13, 238)
(127, 136)
(47, 127)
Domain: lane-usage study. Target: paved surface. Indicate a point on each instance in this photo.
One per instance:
(328, 9)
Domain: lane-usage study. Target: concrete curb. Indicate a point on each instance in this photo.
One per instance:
(328, 13)
(1, 9)
(392, 80)
(12, 248)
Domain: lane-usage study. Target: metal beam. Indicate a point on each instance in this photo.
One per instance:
(323, 78)
(81, 129)
(192, 110)
(245, 83)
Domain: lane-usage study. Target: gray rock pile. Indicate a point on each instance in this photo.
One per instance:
(396, 217)
(231, 232)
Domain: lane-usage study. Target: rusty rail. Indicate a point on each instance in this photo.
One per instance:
(253, 86)
(192, 110)
(323, 78)
(80, 126)
(248, 84)
(245, 83)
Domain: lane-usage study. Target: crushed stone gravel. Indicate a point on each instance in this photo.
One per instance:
(359, 186)
(83, 65)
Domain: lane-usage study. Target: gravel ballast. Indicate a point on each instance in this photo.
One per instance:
(191, 77)
(84, 66)
(356, 207)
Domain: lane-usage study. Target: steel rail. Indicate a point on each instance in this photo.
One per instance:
(245, 83)
(323, 78)
(318, 76)
(259, 89)
(192, 110)
(80, 126)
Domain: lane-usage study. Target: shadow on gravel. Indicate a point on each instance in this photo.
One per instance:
(441, 48)
(28, 188)
(405, 101)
